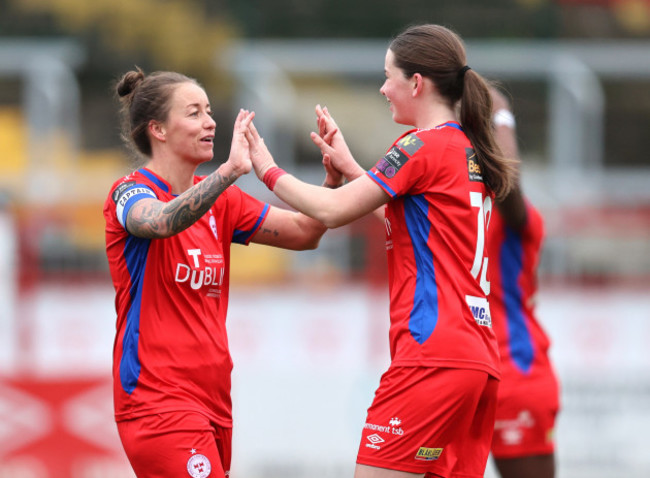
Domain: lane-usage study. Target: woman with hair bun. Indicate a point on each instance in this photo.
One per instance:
(433, 413)
(168, 237)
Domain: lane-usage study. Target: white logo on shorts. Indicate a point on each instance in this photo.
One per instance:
(374, 441)
(198, 466)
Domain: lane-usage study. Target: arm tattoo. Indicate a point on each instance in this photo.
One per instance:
(166, 219)
(266, 230)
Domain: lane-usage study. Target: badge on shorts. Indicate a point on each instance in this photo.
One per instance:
(428, 454)
(198, 466)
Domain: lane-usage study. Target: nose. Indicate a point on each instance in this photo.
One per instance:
(381, 89)
(210, 123)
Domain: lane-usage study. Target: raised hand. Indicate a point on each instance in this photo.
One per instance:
(333, 177)
(333, 147)
(239, 159)
(260, 155)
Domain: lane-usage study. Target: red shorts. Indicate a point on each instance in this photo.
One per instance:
(431, 420)
(176, 444)
(525, 417)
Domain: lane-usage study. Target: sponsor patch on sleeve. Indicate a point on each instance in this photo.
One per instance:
(410, 144)
(392, 162)
(473, 168)
(120, 189)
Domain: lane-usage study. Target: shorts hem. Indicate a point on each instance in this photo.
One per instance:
(128, 417)
(394, 466)
(452, 364)
(524, 453)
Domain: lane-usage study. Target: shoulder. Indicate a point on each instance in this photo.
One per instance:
(130, 186)
(438, 139)
(123, 184)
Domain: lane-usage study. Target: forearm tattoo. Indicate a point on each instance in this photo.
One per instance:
(166, 219)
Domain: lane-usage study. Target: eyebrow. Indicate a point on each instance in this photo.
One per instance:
(196, 105)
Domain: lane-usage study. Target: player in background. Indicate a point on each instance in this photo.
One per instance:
(433, 412)
(528, 397)
(168, 237)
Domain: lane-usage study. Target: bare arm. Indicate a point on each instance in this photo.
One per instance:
(293, 230)
(289, 230)
(151, 218)
(513, 206)
(154, 219)
(332, 207)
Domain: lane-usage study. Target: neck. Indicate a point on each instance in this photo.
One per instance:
(434, 117)
(179, 175)
(430, 109)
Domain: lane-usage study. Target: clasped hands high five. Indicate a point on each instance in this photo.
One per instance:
(249, 149)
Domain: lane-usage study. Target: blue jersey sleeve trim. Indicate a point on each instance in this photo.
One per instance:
(381, 183)
(244, 237)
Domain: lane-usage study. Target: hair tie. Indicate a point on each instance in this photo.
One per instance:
(462, 71)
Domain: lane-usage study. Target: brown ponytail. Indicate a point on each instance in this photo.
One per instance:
(476, 118)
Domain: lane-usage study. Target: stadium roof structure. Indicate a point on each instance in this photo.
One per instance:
(573, 70)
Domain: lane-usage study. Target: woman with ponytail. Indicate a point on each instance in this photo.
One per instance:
(433, 412)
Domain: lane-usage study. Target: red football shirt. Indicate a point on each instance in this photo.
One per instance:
(171, 348)
(435, 241)
(514, 258)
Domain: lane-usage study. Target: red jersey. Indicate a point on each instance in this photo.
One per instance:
(435, 238)
(514, 258)
(171, 348)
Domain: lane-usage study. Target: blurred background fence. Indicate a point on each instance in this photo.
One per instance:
(308, 330)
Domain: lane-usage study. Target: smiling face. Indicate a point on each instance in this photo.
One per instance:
(189, 127)
(398, 90)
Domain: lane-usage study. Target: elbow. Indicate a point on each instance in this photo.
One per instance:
(311, 245)
(332, 219)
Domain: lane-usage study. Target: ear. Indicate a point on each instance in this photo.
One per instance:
(157, 130)
(418, 84)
